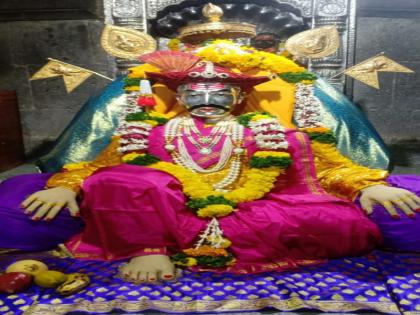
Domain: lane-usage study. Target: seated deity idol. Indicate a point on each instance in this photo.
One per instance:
(217, 186)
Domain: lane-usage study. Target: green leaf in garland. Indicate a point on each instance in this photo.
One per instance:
(145, 116)
(131, 82)
(262, 162)
(210, 200)
(296, 77)
(144, 160)
(215, 262)
(204, 261)
(323, 137)
(180, 257)
(246, 118)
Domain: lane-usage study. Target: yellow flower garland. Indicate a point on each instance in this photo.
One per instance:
(276, 154)
(214, 211)
(258, 183)
(174, 44)
(244, 58)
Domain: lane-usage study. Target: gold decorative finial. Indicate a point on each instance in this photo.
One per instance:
(214, 28)
(212, 12)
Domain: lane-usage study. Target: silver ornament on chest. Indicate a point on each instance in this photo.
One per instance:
(205, 140)
(205, 151)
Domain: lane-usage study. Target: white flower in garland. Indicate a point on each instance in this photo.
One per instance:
(307, 107)
(134, 141)
(269, 134)
(134, 134)
(132, 147)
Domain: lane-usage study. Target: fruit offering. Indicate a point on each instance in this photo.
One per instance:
(75, 282)
(29, 266)
(50, 278)
(14, 282)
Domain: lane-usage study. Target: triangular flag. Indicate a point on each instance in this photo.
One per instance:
(367, 71)
(73, 76)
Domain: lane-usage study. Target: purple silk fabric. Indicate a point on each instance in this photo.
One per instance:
(402, 234)
(17, 230)
(382, 283)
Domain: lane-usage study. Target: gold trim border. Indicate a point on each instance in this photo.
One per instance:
(219, 306)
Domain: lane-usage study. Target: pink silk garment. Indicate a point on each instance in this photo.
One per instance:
(133, 210)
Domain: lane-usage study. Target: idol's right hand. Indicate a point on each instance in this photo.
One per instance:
(46, 204)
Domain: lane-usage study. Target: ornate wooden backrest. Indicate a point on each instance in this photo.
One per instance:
(162, 17)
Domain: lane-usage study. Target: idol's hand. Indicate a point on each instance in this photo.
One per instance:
(390, 197)
(46, 204)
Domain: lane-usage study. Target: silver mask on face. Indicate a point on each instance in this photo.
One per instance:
(209, 100)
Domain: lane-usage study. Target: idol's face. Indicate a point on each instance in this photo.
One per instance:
(209, 100)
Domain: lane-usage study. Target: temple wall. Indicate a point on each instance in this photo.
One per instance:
(31, 32)
(394, 110)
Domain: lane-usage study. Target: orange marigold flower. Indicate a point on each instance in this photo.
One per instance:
(317, 129)
(205, 250)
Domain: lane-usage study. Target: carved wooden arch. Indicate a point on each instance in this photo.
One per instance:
(136, 13)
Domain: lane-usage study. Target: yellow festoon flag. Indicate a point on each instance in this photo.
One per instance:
(367, 71)
(73, 75)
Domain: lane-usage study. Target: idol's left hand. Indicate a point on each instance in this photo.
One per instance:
(390, 197)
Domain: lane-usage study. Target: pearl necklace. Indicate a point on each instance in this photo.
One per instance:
(234, 136)
(211, 140)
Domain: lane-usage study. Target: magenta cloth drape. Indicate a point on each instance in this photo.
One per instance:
(128, 209)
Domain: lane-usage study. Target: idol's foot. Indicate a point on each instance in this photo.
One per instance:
(149, 268)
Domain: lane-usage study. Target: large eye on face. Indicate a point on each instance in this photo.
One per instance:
(193, 94)
(222, 93)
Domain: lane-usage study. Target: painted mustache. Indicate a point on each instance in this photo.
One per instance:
(208, 105)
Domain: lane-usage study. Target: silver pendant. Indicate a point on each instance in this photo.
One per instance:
(205, 151)
(205, 140)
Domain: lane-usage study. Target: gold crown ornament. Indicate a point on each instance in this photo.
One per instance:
(197, 33)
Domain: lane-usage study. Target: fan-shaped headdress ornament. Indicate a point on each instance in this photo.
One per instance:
(180, 68)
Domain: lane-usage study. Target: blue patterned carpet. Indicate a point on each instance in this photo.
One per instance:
(381, 282)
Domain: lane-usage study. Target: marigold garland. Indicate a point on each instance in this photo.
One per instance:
(258, 182)
(244, 58)
(245, 119)
(276, 154)
(211, 211)
(320, 134)
(174, 44)
(182, 259)
(147, 117)
(206, 250)
(201, 203)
